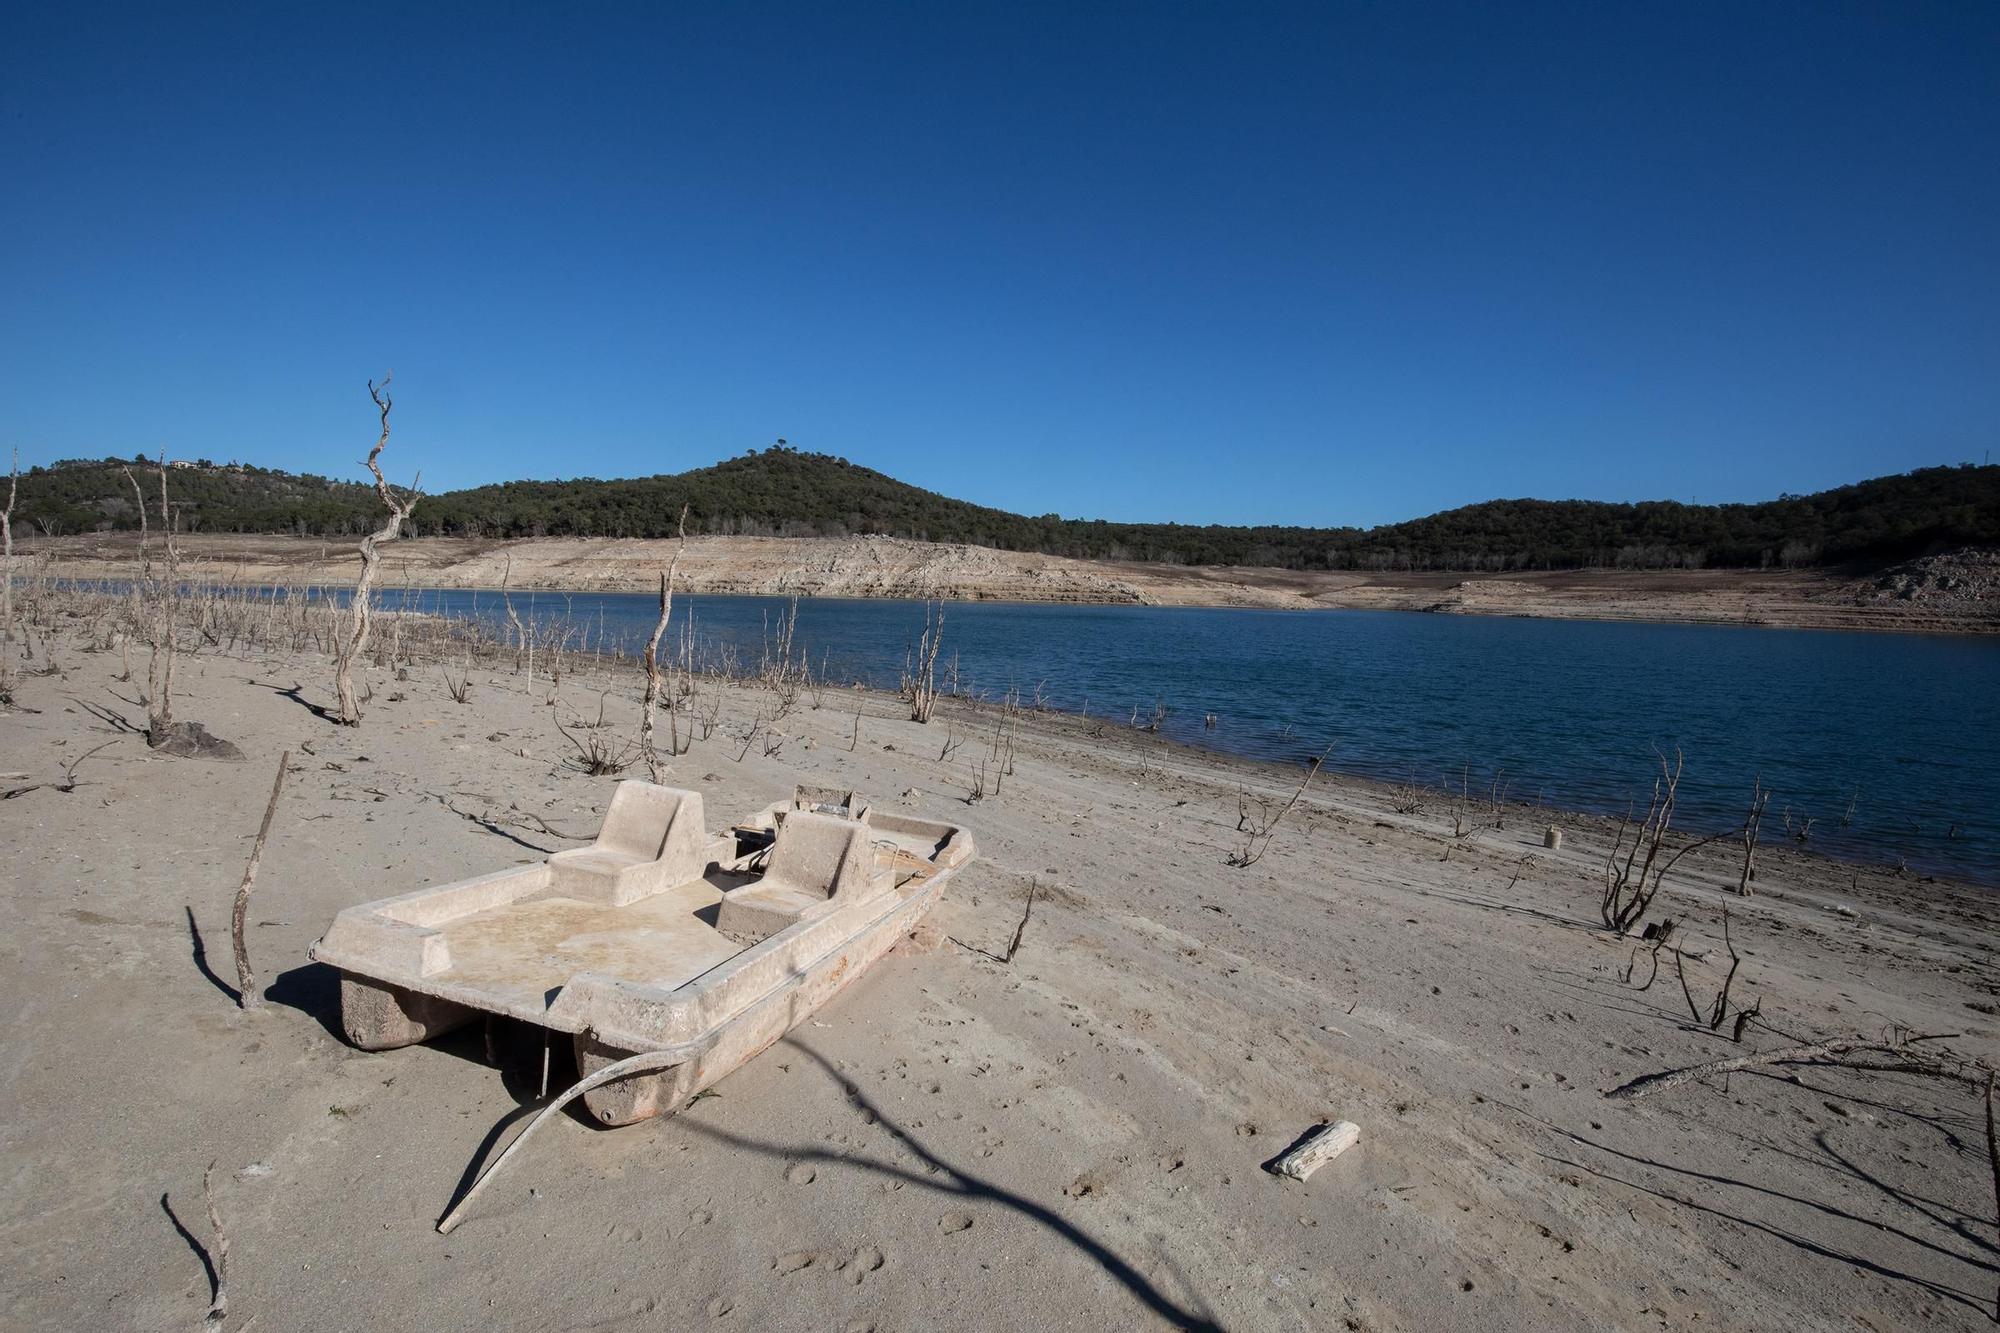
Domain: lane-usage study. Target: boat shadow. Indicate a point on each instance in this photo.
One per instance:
(314, 990)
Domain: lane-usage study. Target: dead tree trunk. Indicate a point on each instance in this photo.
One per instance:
(170, 598)
(654, 677)
(920, 667)
(1760, 797)
(350, 648)
(247, 995)
(514, 626)
(1631, 884)
(7, 584)
(154, 616)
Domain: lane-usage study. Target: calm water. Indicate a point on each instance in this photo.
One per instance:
(1906, 727)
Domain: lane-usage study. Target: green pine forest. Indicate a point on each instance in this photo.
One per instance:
(786, 492)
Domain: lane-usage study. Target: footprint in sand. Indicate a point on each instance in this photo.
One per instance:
(867, 1260)
(720, 1306)
(951, 1222)
(801, 1173)
(787, 1264)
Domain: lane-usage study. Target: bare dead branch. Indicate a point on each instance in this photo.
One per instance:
(920, 685)
(7, 584)
(1720, 1009)
(654, 677)
(596, 755)
(1993, 1161)
(1680, 970)
(1760, 797)
(631, 1064)
(247, 995)
(1258, 835)
(750, 736)
(68, 783)
(1631, 885)
(156, 598)
(460, 689)
(1815, 1052)
(1020, 927)
(218, 1306)
(350, 647)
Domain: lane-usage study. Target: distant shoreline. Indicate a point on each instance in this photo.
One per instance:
(891, 568)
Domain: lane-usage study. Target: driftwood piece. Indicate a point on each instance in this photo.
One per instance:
(1820, 1051)
(246, 980)
(218, 1306)
(68, 783)
(1319, 1149)
(1993, 1161)
(1020, 928)
(631, 1064)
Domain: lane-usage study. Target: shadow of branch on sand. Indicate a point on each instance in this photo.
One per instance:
(111, 718)
(200, 1250)
(297, 696)
(939, 1176)
(201, 960)
(961, 1184)
(1800, 1241)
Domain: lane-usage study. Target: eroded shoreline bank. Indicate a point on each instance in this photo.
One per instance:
(873, 567)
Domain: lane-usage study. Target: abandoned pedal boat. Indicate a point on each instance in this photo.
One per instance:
(658, 937)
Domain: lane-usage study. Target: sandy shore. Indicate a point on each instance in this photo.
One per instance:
(1072, 1139)
(890, 567)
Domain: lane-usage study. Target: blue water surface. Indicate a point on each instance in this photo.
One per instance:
(1905, 728)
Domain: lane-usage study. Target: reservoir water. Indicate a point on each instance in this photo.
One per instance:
(1888, 743)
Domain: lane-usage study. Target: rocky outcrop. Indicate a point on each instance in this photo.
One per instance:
(1963, 583)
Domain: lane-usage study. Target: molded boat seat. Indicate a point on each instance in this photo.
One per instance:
(839, 801)
(815, 858)
(652, 840)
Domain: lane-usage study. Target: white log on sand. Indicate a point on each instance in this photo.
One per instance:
(1329, 1143)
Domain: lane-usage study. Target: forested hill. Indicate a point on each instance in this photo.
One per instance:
(784, 492)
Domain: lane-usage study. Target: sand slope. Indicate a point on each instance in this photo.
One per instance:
(1074, 1139)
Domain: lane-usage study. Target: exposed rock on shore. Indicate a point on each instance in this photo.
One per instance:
(1958, 583)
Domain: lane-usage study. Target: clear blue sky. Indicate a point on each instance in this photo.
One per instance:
(1315, 264)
